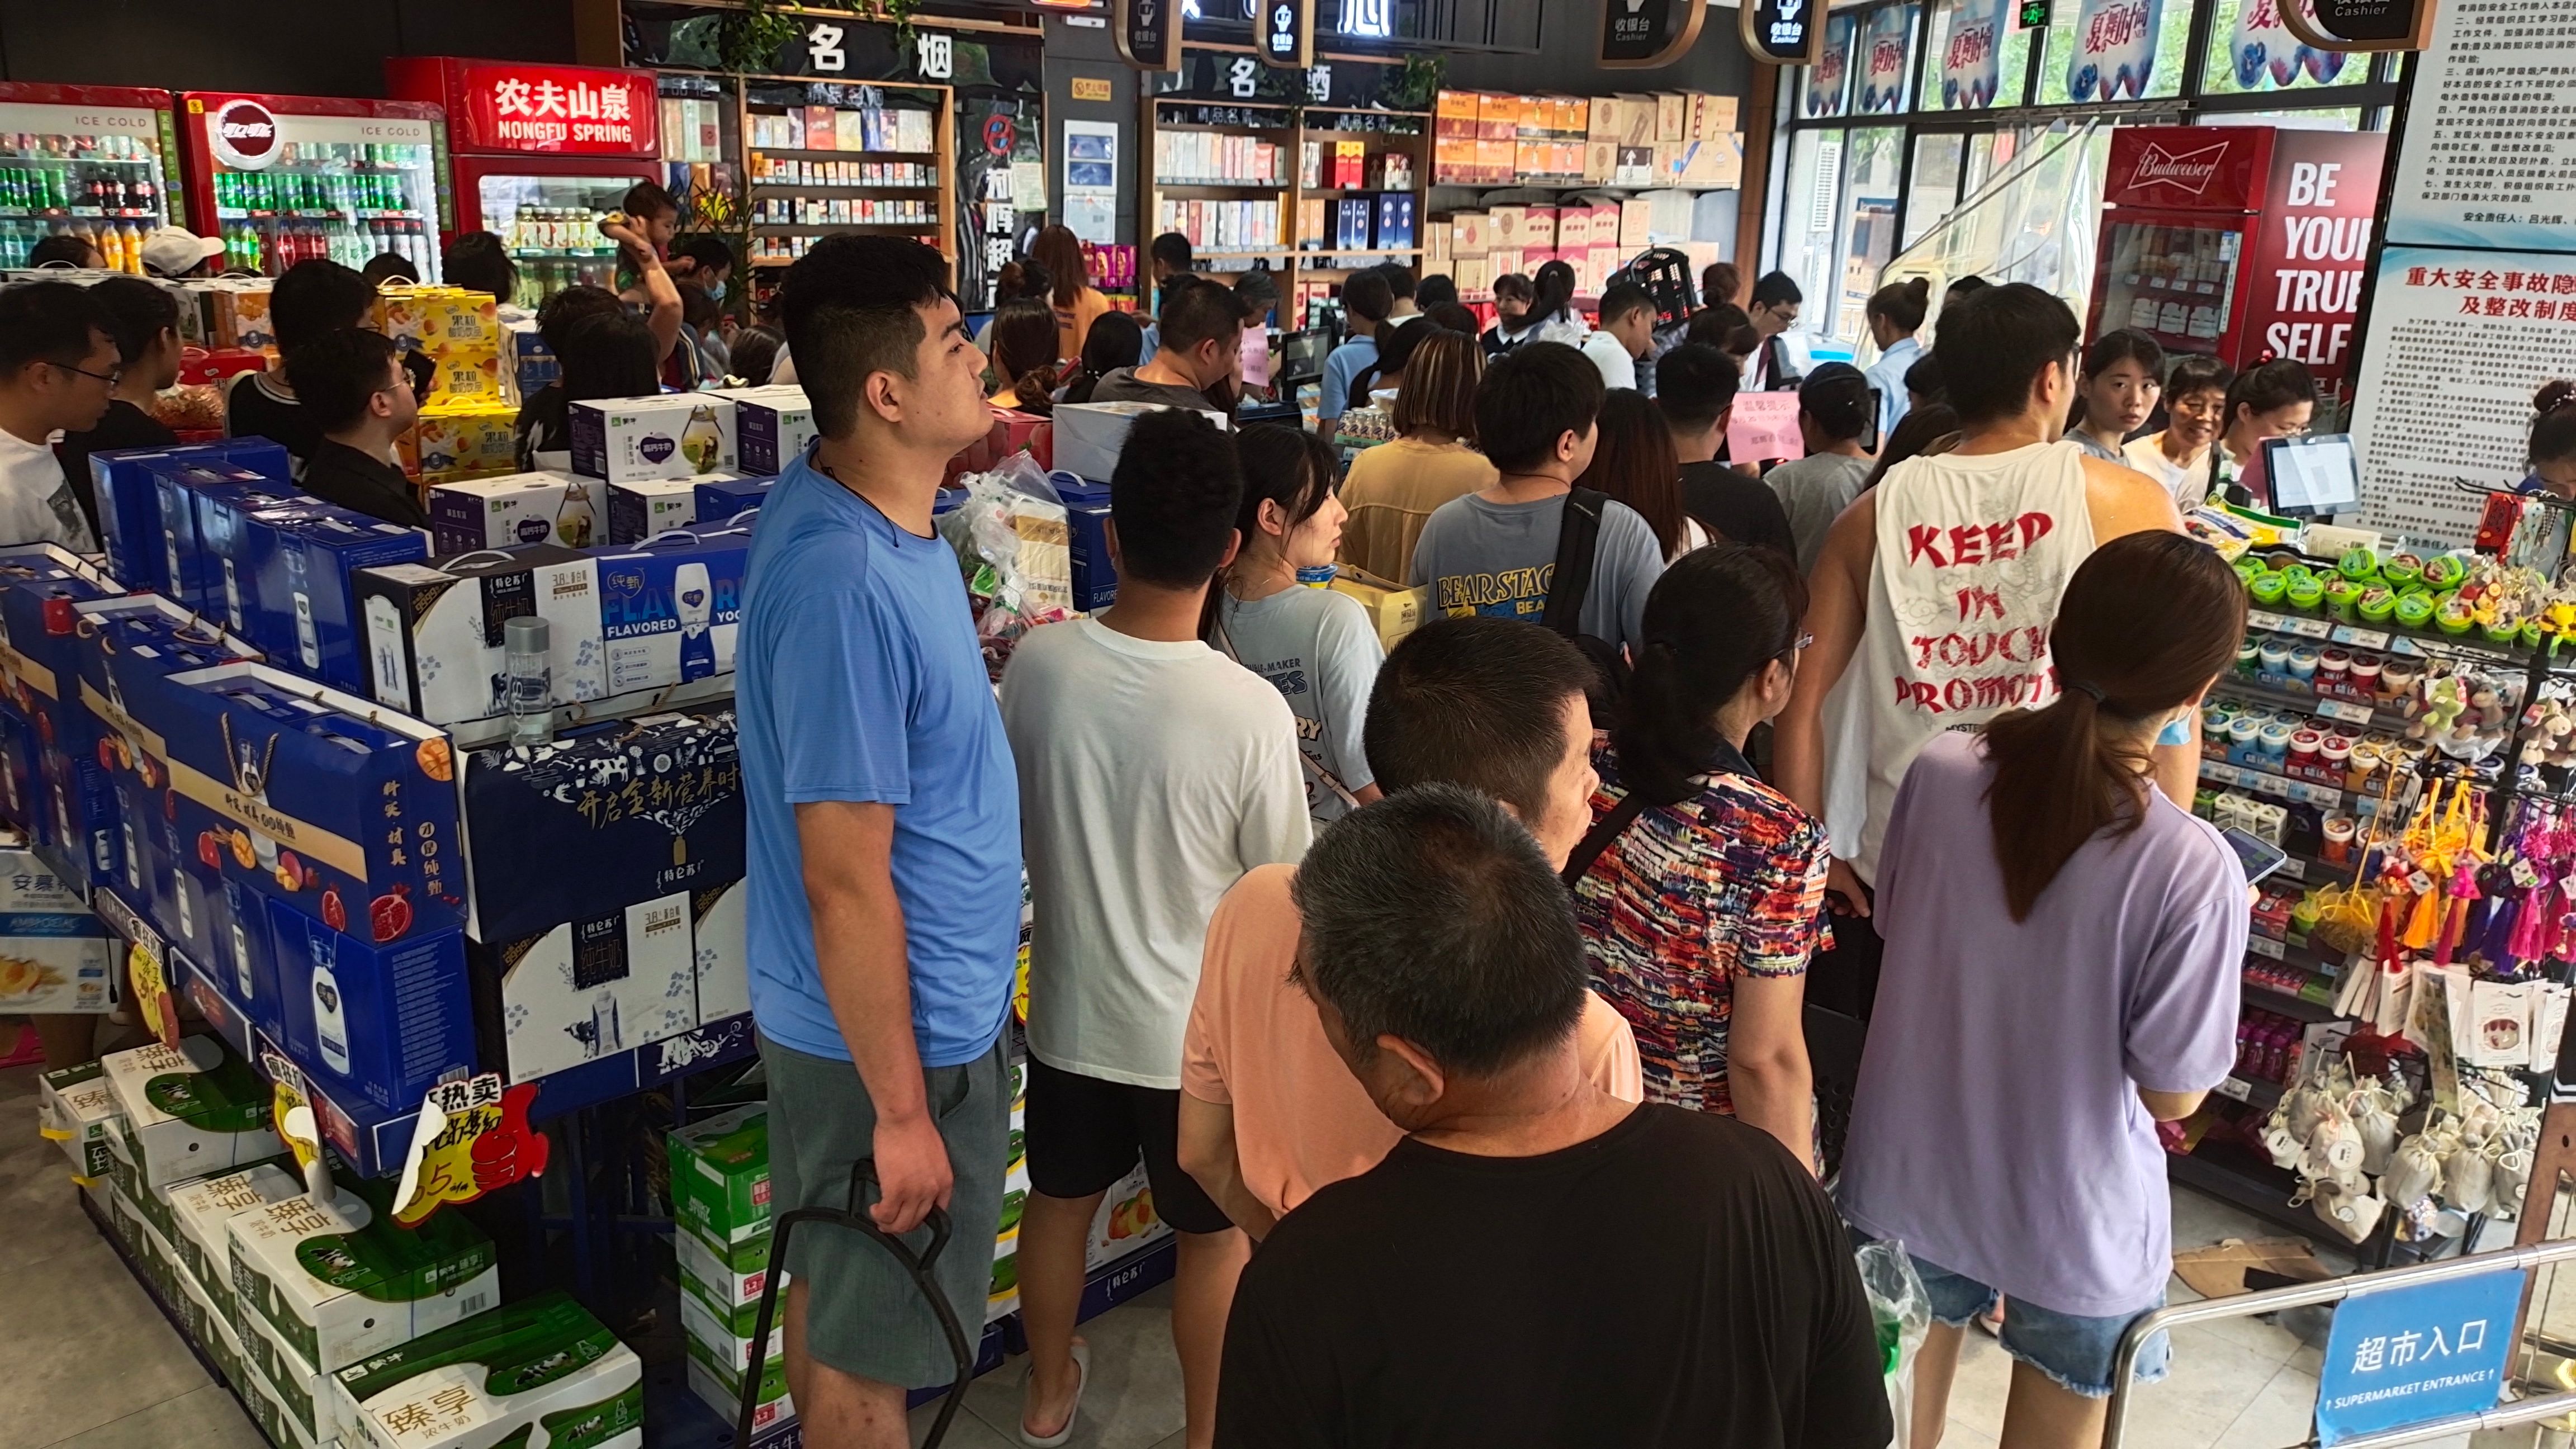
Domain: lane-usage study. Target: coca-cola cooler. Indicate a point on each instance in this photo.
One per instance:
(287, 179)
(541, 154)
(96, 161)
(2246, 243)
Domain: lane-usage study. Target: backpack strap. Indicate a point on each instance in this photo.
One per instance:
(1605, 830)
(1571, 581)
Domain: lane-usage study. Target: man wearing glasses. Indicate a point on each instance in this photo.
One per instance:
(355, 386)
(58, 372)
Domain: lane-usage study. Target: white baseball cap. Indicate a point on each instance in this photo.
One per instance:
(171, 250)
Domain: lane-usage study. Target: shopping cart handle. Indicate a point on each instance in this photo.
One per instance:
(863, 1186)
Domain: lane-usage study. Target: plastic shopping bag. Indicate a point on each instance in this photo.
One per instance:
(1012, 543)
(1903, 1313)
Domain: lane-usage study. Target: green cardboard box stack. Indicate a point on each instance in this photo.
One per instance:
(720, 1199)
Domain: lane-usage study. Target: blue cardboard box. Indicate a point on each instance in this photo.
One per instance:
(648, 806)
(41, 588)
(1086, 515)
(129, 502)
(371, 1139)
(224, 538)
(304, 606)
(720, 503)
(313, 796)
(668, 610)
(175, 482)
(384, 1020)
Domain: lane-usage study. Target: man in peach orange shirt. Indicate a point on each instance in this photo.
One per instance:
(1269, 1113)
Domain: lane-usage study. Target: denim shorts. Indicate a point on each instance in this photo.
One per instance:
(2076, 1353)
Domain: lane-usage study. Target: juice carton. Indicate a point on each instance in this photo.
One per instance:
(305, 612)
(189, 1110)
(649, 806)
(340, 1281)
(668, 610)
(540, 1370)
(313, 796)
(649, 508)
(54, 954)
(385, 1021)
(776, 425)
(668, 435)
(466, 431)
(76, 1112)
(720, 1190)
(720, 502)
(434, 632)
(513, 510)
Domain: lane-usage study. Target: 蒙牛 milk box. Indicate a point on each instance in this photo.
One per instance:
(589, 988)
(541, 1370)
(190, 1110)
(513, 511)
(720, 1188)
(436, 644)
(667, 435)
(337, 1282)
(76, 1111)
(776, 425)
(648, 507)
(668, 610)
(201, 1209)
(729, 1295)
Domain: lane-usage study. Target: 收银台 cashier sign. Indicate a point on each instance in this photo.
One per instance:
(2410, 1355)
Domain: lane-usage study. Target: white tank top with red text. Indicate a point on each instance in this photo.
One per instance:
(1973, 555)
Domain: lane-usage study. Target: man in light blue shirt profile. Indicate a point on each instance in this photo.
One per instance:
(1366, 299)
(884, 836)
(1895, 314)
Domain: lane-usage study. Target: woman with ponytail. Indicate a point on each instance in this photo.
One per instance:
(1024, 371)
(2553, 441)
(2063, 944)
(1895, 314)
(1700, 887)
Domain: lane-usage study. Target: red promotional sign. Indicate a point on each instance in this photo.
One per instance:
(549, 110)
(2306, 253)
(2194, 168)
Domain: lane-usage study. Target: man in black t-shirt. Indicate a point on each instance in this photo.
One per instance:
(144, 318)
(355, 388)
(1537, 1263)
(313, 297)
(1695, 390)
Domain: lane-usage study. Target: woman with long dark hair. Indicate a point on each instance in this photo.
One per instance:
(1077, 303)
(1023, 352)
(1393, 488)
(2275, 400)
(2063, 946)
(2116, 393)
(1700, 912)
(1551, 316)
(1316, 646)
(1634, 463)
(2553, 440)
(1117, 339)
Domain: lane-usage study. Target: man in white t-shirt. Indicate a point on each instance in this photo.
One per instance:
(1627, 330)
(58, 373)
(1154, 772)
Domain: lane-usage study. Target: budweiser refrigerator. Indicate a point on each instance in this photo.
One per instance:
(290, 178)
(2246, 243)
(97, 161)
(541, 153)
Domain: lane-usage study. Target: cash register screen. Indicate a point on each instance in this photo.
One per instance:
(2313, 477)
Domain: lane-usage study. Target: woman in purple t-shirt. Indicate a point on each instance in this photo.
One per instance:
(2054, 919)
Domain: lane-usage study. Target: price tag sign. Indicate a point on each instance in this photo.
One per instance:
(2366, 638)
(2349, 713)
(2235, 1088)
(151, 982)
(2307, 628)
(2262, 619)
(2270, 785)
(2263, 946)
(472, 1138)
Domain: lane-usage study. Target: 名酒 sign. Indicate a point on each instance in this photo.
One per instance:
(2409, 1355)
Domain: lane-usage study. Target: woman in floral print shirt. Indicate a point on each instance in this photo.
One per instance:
(1700, 913)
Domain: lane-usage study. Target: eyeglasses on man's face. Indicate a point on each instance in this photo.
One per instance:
(111, 377)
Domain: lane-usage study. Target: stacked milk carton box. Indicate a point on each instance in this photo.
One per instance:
(720, 1199)
(541, 1371)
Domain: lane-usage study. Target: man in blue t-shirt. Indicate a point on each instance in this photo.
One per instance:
(884, 835)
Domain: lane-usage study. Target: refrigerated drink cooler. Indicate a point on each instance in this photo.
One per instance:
(292, 178)
(94, 161)
(2244, 243)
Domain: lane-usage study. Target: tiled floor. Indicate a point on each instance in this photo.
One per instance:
(94, 1366)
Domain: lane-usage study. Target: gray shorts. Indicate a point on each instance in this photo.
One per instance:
(863, 1313)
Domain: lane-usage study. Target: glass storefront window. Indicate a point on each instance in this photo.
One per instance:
(1870, 170)
(2112, 50)
(1810, 207)
(1974, 56)
(2251, 50)
(1934, 187)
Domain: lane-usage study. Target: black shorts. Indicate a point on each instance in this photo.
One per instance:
(1084, 1134)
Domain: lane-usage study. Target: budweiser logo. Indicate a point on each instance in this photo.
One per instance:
(2189, 171)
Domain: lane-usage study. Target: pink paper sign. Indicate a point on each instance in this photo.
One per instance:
(1764, 426)
(1256, 355)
